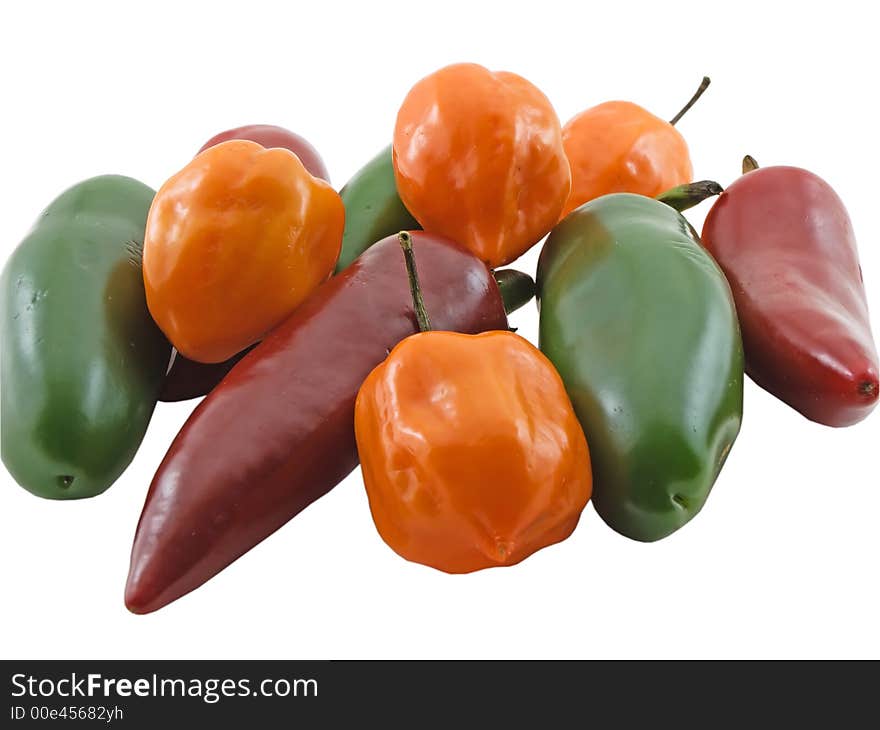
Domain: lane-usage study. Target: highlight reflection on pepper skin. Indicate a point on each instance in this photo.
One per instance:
(278, 432)
(190, 379)
(82, 361)
(478, 157)
(472, 455)
(640, 323)
(786, 244)
(620, 147)
(235, 241)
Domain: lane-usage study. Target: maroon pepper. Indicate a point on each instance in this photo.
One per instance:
(785, 242)
(278, 432)
(190, 379)
(269, 135)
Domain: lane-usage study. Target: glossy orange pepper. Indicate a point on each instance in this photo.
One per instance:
(471, 453)
(620, 147)
(235, 241)
(478, 158)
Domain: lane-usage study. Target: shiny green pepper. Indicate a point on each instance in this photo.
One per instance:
(82, 361)
(373, 209)
(640, 323)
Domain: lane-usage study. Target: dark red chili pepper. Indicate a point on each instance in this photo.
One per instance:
(190, 379)
(785, 242)
(278, 432)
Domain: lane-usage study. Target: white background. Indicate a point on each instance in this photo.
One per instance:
(783, 559)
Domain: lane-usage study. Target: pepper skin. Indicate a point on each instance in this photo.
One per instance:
(785, 242)
(268, 135)
(235, 242)
(278, 432)
(472, 455)
(373, 209)
(478, 157)
(82, 361)
(620, 147)
(640, 323)
(190, 379)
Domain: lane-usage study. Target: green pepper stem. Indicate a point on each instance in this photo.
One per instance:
(687, 196)
(749, 164)
(413, 275)
(704, 84)
(517, 288)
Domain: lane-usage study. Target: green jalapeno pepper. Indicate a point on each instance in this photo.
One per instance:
(373, 209)
(640, 322)
(82, 360)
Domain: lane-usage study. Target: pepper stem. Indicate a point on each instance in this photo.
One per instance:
(704, 84)
(413, 275)
(687, 196)
(749, 164)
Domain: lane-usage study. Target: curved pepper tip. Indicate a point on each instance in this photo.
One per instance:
(136, 599)
(141, 597)
(136, 604)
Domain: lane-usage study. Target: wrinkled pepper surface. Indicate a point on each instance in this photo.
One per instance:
(235, 241)
(478, 157)
(82, 361)
(373, 211)
(640, 323)
(786, 243)
(278, 432)
(472, 455)
(190, 379)
(621, 147)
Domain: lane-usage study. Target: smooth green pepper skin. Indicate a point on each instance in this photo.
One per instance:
(373, 209)
(82, 361)
(640, 322)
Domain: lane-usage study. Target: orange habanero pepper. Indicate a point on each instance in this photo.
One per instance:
(235, 241)
(620, 147)
(478, 158)
(472, 455)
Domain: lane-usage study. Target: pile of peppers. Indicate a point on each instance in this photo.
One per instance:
(369, 326)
